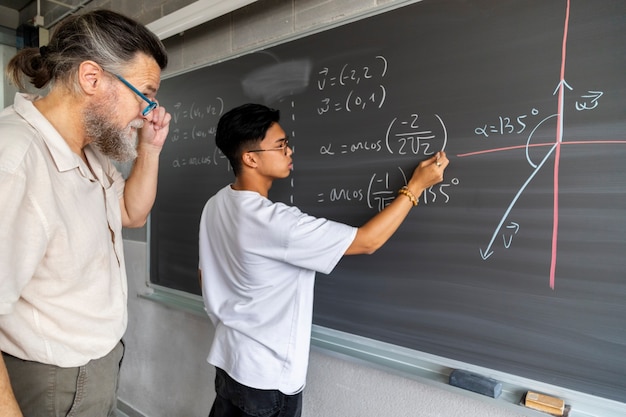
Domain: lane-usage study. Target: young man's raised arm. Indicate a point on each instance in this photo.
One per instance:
(373, 234)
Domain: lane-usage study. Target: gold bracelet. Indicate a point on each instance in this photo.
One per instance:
(405, 191)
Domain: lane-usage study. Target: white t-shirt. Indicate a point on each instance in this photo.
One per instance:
(258, 262)
(63, 283)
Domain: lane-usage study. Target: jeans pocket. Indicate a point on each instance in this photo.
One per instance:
(261, 403)
(252, 401)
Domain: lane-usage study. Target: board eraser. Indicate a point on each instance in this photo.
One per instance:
(542, 402)
(476, 383)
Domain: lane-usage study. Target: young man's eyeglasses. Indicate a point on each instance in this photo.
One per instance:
(283, 147)
(151, 104)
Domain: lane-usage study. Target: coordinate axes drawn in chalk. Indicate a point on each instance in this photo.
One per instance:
(506, 228)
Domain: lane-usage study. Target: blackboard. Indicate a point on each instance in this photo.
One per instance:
(516, 262)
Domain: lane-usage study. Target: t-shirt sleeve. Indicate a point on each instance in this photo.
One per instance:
(317, 243)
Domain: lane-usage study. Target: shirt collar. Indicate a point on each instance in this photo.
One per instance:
(60, 151)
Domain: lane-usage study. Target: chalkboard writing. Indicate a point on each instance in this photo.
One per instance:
(516, 260)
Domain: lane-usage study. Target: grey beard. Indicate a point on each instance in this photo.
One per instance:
(118, 144)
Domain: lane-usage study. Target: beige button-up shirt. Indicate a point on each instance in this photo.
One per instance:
(63, 287)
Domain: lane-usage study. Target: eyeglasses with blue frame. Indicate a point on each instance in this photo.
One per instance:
(151, 104)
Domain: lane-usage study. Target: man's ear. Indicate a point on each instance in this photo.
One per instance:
(249, 159)
(90, 77)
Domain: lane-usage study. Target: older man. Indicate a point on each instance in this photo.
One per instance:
(62, 275)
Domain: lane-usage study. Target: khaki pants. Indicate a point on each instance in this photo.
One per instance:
(50, 391)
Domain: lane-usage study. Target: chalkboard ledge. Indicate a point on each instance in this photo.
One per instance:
(176, 299)
(412, 364)
(435, 370)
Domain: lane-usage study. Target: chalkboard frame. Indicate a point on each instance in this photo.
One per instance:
(358, 347)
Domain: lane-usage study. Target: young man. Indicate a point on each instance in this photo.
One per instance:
(62, 274)
(258, 261)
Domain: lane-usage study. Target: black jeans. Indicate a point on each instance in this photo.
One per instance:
(236, 400)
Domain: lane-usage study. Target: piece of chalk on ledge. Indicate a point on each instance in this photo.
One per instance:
(542, 402)
(476, 383)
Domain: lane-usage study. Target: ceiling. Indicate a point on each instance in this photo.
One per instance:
(50, 11)
(16, 4)
(40, 13)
